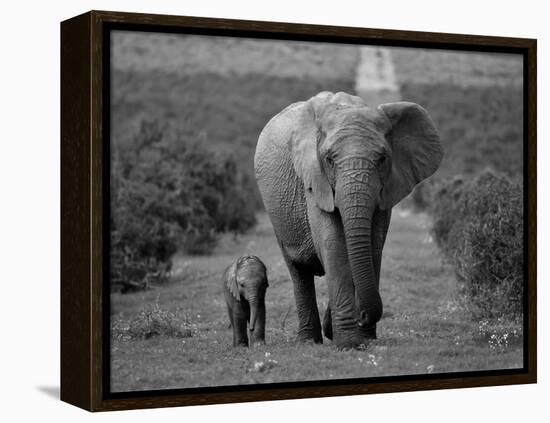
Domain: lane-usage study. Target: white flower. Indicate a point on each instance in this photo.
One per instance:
(259, 366)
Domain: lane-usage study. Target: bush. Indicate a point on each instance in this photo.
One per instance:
(153, 321)
(445, 197)
(478, 224)
(169, 193)
(423, 195)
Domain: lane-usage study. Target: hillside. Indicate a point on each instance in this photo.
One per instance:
(195, 54)
(220, 91)
(223, 88)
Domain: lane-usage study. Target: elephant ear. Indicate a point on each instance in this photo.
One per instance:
(416, 150)
(306, 137)
(231, 281)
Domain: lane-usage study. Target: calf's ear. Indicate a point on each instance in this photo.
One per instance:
(231, 281)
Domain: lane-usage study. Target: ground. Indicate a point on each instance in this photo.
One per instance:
(424, 328)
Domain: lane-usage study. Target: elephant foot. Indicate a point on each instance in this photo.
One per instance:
(368, 332)
(351, 343)
(357, 338)
(309, 336)
(258, 342)
(240, 343)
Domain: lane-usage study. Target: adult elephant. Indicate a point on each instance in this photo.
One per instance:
(329, 170)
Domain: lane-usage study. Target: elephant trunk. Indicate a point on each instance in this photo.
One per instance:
(359, 190)
(253, 301)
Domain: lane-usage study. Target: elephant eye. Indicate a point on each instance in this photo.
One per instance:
(330, 161)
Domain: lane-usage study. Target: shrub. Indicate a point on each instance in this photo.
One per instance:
(167, 193)
(153, 321)
(423, 195)
(478, 224)
(445, 197)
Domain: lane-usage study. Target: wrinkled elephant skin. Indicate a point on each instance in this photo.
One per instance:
(244, 285)
(330, 169)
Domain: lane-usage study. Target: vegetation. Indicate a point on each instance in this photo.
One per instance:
(152, 321)
(227, 113)
(460, 68)
(479, 126)
(215, 114)
(182, 187)
(478, 224)
(169, 193)
(423, 329)
(478, 214)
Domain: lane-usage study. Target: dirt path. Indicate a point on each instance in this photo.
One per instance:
(375, 78)
(422, 330)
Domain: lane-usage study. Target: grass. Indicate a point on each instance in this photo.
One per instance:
(424, 328)
(194, 54)
(223, 88)
(227, 110)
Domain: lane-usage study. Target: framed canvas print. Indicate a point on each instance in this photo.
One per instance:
(258, 211)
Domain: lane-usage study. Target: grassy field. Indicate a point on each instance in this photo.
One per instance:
(463, 69)
(424, 328)
(221, 92)
(221, 87)
(196, 54)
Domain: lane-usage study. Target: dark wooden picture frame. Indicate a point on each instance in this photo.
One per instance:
(84, 174)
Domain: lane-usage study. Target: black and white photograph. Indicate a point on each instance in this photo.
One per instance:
(299, 211)
(275, 211)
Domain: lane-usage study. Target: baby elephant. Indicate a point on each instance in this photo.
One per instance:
(244, 286)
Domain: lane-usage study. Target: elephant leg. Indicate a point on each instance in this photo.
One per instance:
(240, 337)
(309, 325)
(380, 226)
(339, 322)
(230, 314)
(258, 336)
